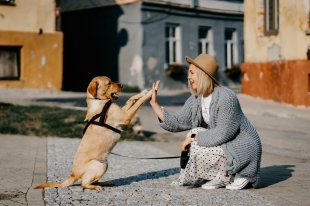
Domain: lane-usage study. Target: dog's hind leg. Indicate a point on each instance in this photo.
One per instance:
(132, 100)
(95, 170)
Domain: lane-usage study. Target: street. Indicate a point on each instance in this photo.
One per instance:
(283, 129)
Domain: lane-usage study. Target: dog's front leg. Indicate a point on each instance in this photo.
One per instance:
(131, 112)
(133, 99)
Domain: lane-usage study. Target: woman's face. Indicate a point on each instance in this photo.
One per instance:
(192, 76)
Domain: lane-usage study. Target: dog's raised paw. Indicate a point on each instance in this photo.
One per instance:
(144, 91)
(149, 93)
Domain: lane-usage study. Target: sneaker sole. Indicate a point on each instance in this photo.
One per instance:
(210, 187)
(237, 187)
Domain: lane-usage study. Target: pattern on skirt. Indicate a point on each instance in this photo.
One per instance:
(205, 163)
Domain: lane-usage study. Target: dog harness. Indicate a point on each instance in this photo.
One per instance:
(102, 119)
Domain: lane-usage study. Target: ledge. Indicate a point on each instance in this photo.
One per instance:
(7, 4)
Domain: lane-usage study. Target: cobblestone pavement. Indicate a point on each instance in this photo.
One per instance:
(137, 182)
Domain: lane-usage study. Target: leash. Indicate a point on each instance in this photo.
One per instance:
(102, 119)
(146, 157)
(102, 123)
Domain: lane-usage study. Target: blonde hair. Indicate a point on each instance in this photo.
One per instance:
(205, 85)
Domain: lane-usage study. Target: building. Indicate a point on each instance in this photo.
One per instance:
(30, 48)
(136, 42)
(276, 41)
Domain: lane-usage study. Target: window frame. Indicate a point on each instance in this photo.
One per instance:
(231, 58)
(204, 41)
(171, 40)
(267, 30)
(17, 50)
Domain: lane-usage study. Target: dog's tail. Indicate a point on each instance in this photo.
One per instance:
(69, 181)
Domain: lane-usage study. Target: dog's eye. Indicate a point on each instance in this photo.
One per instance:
(109, 83)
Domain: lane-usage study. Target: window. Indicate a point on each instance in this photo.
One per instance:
(9, 63)
(173, 47)
(205, 37)
(231, 48)
(7, 2)
(271, 17)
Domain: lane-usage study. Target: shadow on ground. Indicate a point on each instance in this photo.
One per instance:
(146, 176)
(275, 174)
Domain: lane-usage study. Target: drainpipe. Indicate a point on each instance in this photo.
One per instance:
(194, 3)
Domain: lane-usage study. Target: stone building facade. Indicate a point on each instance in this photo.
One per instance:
(136, 42)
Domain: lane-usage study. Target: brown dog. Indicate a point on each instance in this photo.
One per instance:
(90, 162)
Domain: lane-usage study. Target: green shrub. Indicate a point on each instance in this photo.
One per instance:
(130, 89)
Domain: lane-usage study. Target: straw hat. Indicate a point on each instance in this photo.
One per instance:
(206, 63)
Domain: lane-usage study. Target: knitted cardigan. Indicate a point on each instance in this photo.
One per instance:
(229, 128)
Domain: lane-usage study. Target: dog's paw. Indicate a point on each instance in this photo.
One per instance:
(149, 93)
(144, 92)
(98, 188)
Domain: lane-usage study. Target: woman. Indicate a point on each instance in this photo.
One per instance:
(225, 148)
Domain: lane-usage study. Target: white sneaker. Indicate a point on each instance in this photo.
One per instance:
(214, 184)
(238, 184)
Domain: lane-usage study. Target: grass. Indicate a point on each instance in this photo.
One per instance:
(45, 121)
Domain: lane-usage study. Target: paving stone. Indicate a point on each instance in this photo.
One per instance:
(137, 182)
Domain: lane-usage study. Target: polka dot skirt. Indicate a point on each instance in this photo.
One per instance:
(205, 163)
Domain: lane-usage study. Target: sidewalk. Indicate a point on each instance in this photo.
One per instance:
(284, 131)
(22, 166)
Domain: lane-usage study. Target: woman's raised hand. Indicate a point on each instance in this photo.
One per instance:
(154, 94)
(157, 109)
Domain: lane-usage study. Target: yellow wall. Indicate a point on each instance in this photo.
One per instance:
(290, 43)
(41, 54)
(41, 59)
(28, 15)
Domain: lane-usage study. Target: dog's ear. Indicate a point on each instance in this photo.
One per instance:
(92, 88)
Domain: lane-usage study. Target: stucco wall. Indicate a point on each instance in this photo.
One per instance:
(41, 59)
(28, 15)
(276, 66)
(130, 55)
(281, 81)
(290, 43)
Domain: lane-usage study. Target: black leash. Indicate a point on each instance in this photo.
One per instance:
(102, 116)
(146, 157)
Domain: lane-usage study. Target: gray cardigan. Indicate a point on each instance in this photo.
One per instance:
(229, 128)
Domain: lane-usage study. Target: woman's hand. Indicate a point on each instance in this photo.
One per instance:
(186, 142)
(157, 109)
(154, 94)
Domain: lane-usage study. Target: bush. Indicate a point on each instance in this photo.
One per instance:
(176, 70)
(130, 89)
